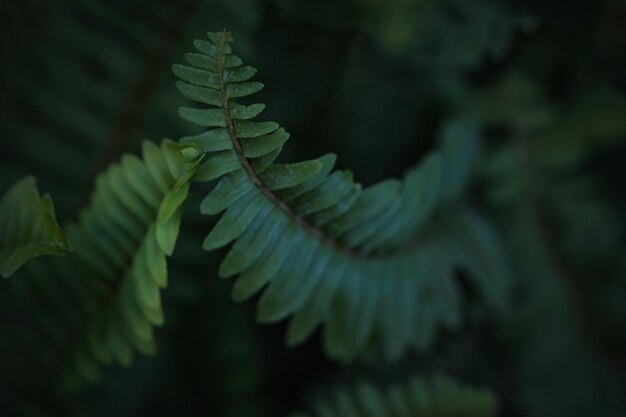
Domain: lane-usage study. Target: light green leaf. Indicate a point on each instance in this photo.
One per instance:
(28, 227)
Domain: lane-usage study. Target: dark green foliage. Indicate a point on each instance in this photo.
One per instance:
(503, 122)
(28, 227)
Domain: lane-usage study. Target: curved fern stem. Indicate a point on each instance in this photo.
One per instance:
(376, 265)
(301, 221)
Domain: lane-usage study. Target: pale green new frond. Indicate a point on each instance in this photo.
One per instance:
(434, 397)
(377, 266)
(122, 240)
(28, 227)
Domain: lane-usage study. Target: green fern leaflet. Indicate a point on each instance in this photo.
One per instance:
(28, 227)
(376, 266)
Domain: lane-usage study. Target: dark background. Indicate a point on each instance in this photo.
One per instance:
(82, 82)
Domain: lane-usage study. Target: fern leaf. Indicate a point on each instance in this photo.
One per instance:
(367, 263)
(460, 145)
(438, 396)
(28, 227)
(122, 240)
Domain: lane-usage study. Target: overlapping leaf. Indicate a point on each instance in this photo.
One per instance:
(370, 264)
(28, 227)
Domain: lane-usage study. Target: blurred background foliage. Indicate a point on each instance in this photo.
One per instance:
(82, 82)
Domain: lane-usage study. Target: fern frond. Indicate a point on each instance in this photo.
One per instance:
(122, 241)
(28, 227)
(438, 396)
(368, 263)
(101, 303)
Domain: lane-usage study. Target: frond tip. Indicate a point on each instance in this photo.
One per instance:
(439, 396)
(28, 227)
(376, 266)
